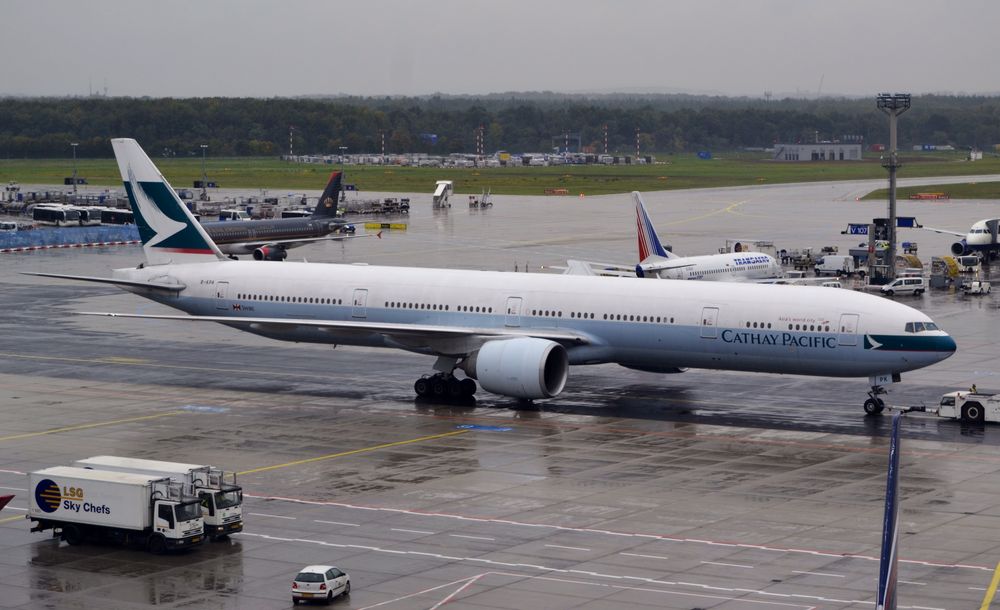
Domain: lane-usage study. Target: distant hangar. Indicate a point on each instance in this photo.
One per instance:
(817, 151)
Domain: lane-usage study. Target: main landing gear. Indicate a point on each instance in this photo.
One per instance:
(874, 405)
(444, 386)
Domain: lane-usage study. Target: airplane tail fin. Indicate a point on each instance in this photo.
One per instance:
(167, 229)
(888, 571)
(327, 205)
(649, 243)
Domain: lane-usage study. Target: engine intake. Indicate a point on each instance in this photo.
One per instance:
(270, 254)
(522, 368)
(960, 248)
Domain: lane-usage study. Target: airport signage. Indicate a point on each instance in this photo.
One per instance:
(857, 229)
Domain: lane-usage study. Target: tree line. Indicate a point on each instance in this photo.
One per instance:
(517, 122)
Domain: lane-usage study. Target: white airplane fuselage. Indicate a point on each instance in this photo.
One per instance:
(656, 326)
(744, 266)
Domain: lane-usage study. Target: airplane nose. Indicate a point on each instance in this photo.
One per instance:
(947, 345)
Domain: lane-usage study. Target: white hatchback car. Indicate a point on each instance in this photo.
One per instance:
(320, 583)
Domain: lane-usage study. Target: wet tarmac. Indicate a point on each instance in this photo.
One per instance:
(630, 490)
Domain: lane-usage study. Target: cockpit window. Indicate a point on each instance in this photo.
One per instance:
(919, 327)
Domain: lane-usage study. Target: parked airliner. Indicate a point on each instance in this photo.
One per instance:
(269, 240)
(516, 333)
(655, 261)
(981, 238)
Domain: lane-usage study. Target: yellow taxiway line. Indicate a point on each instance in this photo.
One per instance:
(352, 452)
(85, 426)
(14, 518)
(992, 591)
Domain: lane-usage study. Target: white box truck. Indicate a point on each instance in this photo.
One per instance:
(80, 504)
(221, 498)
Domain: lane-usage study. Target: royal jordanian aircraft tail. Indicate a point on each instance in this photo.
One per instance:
(517, 333)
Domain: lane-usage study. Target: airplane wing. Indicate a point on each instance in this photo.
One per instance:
(174, 287)
(447, 340)
(944, 231)
(576, 267)
(294, 243)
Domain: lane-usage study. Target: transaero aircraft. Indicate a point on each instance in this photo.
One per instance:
(516, 333)
(657, 262)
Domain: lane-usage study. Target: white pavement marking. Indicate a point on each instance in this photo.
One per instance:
(337, 523)
(455, 592)
(644, 556)
(273, 516)
(473, 537)
(910, 582)
(397, 529)
(565, 528)
(571, 548)
(550, 569)
(14, 508)
(14, 488)
(821, 574)
(728, 565)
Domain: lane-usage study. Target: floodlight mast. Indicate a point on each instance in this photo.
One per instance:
(893, 104)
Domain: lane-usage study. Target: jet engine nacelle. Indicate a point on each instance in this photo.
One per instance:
(267, 253)
(960, 248)
(522, 368)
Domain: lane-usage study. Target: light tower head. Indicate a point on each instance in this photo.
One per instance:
(897, 103)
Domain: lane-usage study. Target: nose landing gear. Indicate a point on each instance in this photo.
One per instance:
(874, 405)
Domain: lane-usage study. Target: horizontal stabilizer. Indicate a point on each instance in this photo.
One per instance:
(106, 280)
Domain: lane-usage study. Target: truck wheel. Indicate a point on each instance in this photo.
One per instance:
(156, 544)
(72, 535)
(873, 406)
(861, 274)
(973, 412)
(889, 293)
(295, 601)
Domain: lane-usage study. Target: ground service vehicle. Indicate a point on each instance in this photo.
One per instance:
(905, 285)
(80, 504)
(836, 264)
(976, 287)
(320, 583)
(970, 406)
(221, 498)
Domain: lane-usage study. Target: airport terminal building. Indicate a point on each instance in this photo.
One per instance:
(817, 151)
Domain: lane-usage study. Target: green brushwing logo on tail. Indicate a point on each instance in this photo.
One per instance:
(162, 222)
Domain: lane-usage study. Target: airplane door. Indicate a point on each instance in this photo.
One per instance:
(709, 322)
(221, 290)
(359, 306)
(513, 316)
(848, 334)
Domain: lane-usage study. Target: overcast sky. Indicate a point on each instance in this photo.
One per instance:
(189, 48)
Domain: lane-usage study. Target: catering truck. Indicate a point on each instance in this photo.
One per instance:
(78, 504)
(221, 498)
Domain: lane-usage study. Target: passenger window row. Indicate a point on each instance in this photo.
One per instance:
(634, 318)
(436, 307)
(762, 325)
(811, 327)
(287, 299)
